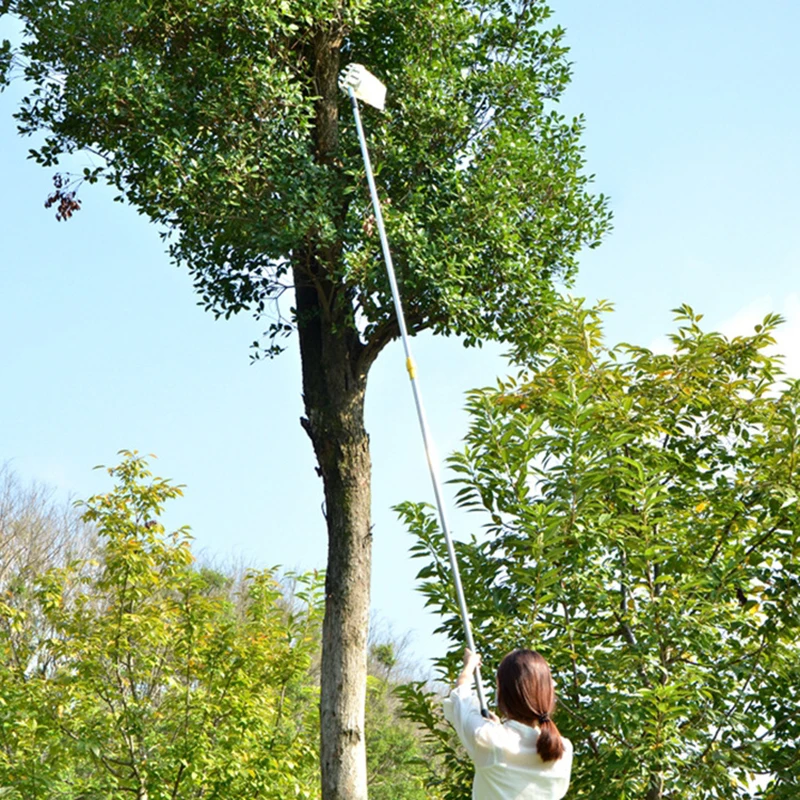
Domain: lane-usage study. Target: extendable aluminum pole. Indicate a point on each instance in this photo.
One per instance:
(359, 83)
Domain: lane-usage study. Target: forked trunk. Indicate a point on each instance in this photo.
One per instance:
(333, 392)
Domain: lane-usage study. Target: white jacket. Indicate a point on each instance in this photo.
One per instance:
(507, 766)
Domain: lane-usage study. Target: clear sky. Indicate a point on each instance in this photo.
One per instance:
(693, 113)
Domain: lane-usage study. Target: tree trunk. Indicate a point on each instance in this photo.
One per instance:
(334, 385)
(656, 789)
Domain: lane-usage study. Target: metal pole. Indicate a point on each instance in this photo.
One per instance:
(412, 373)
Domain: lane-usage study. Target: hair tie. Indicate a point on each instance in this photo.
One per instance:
(542, 718)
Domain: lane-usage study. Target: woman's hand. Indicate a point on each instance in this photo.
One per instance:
(471, 662)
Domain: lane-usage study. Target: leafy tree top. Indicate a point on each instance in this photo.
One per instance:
(223, 123)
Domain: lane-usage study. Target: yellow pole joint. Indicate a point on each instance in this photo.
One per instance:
(411, 367)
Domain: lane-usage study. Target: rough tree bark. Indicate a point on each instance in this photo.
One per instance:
(334, 385)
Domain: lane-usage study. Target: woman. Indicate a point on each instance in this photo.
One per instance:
(524, 757)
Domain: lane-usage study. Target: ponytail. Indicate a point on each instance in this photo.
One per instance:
(549, 745)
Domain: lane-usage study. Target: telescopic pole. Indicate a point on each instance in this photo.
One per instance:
(412, 373)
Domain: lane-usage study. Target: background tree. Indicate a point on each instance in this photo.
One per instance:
(398, 757)
(223, 123)
(152, 682)
(642, 531)
(37, 534)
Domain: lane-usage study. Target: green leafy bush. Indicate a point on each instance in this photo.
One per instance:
(152, 679)
(641, 530)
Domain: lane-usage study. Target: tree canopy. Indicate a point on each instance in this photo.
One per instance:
(223, 123)
(642, 531)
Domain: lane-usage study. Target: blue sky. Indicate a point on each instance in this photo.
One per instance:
(692, 115)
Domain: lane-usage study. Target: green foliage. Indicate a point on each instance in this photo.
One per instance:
(384, 654)
(395, 768)
(448, 772)
(398, 759)
(642, 527)
(223, 123)
(152, 681)
(5, 61)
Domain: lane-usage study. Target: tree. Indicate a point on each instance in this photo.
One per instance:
(152, 683)
(36, 534)
(641, 530)
(223, 123)
(398, 759)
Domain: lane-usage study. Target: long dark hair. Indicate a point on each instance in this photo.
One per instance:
(525, 693)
